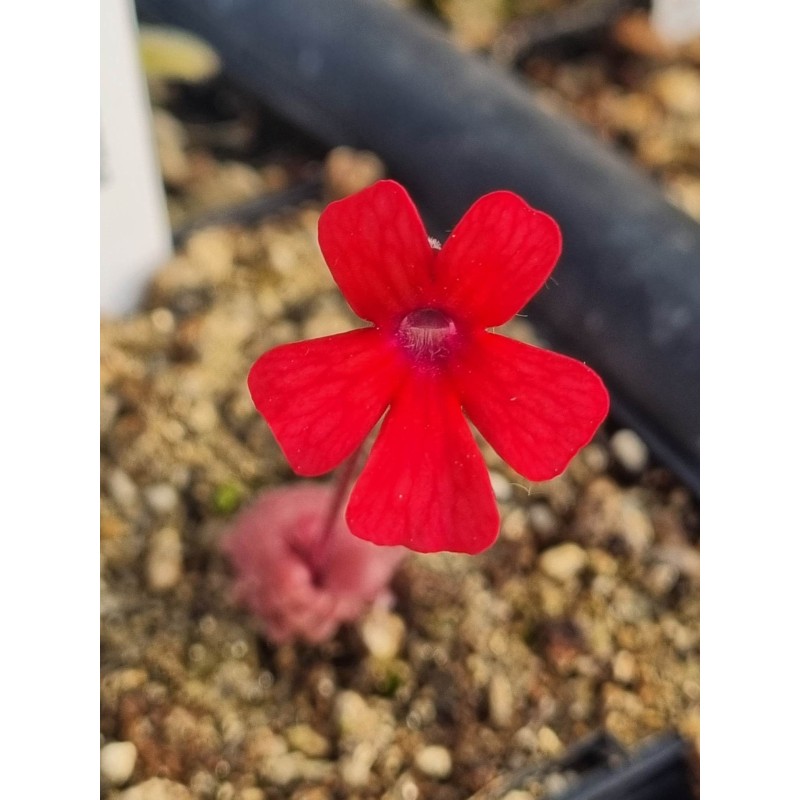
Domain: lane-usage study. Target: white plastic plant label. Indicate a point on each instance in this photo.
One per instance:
(134, 227)
(676, 20)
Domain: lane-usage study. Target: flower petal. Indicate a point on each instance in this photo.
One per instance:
(497, 257)
(377, 250)
(322, 397)
(536, 408)
(425, 485)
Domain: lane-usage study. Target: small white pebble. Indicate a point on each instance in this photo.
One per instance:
(543, 520)
(408, 789)
(162, 498)
(164, 560)
(434, 761)
(123, 490)
(555, 784)
(500, 486)
(117, 761)
(629, 450)
(383, 633)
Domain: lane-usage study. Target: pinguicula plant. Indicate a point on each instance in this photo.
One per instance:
(427, 361)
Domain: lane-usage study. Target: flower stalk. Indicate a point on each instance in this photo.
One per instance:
(341, 491)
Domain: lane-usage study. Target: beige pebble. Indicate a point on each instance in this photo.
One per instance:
(250, 793)
(514, 527)
(602, 562)
(157, 789)
(383, 633)
(624, 667)
(661, 579)
(347, 171)
(406, 788)
(434, 761)
(269, 302)
(123, 490)
(163, 320)
(226, 790)
(282, 770)
(595, 457)
(228, 183)
(203, 784)
(548, 742)
(305, 739)
(525, 739)
(353, 716)
(563, 562)
(117, 760)
(501, 700)
(289, 767)
(474, 23)
(164, 560)
(211, 252)
(203, 417)
(355, 768)
(635, 524)
(678, 88)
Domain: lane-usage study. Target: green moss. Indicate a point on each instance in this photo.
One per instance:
(389, 684)
(227, 498)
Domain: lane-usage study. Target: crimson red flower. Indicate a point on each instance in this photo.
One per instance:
(428, 357)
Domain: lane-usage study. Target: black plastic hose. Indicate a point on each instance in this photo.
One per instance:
(625, 296)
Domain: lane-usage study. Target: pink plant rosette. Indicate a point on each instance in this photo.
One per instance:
(274, 548)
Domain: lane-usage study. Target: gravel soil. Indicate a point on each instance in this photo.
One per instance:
(583, 616)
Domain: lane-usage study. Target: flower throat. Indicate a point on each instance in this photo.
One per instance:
(428, 336)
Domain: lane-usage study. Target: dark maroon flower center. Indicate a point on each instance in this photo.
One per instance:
(428, 335)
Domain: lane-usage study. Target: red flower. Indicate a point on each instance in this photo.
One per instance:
(427, 357)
